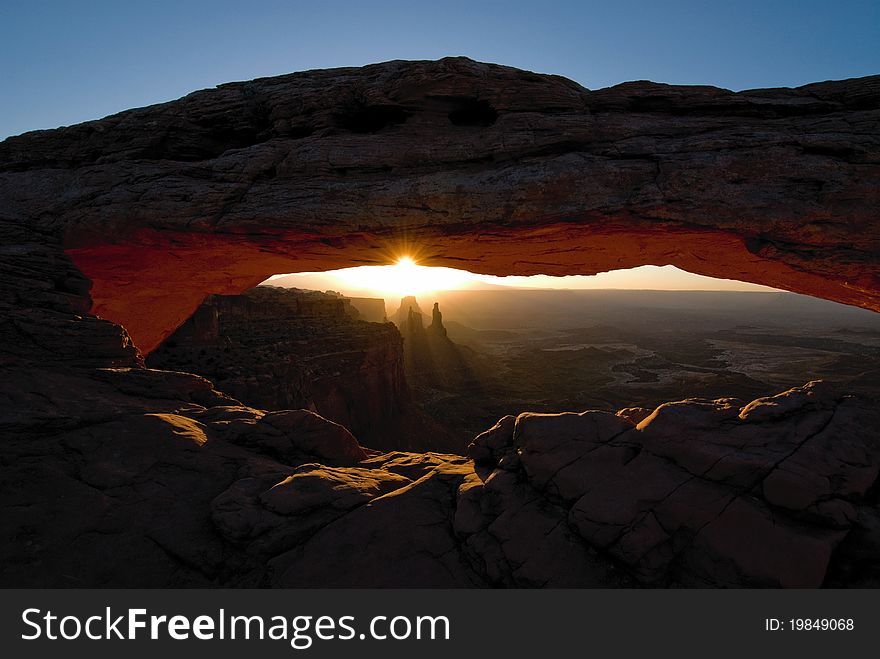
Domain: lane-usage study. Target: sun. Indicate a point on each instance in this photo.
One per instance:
(405, 277)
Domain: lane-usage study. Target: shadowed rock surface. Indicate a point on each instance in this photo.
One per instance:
(118, 475)
(278, 349)
(275, 348)
(170, 483)
(700, 492)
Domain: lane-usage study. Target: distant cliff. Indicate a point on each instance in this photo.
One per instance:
(408, 306)
(278, 348)
(370, 308)
(432, 359)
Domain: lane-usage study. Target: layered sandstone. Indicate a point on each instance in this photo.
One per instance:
(275, 348)
(113, 232)
(698, 493)
(159, 480)
(459, 163)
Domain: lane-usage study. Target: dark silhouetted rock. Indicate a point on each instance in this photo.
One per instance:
(275, 348)
(215, 192)
(406, 313)
(160, 490)
(436, 326)
(113, 232)
(698, 493)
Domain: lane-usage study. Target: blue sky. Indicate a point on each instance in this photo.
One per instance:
(66, 62)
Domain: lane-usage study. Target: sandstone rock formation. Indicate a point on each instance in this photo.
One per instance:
(436, 326)
(432, 359)
(150, 478)
(699, 493)
(113, 232)
(470, 165)
(409, 314)
(276, 348)
(108, 473)
(371, 309)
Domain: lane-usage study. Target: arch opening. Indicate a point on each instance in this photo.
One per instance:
(412, 357)
(153, 280)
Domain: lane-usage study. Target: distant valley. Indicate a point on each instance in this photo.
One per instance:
(490, 353)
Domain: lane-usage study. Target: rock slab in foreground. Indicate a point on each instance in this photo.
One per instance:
(162, 481)
(699, 493)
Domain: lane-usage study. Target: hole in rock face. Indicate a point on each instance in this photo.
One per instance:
(300, 132)
(473, 112)
(424, 358)
(363, 118)
(150, 283)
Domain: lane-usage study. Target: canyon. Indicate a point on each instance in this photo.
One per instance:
(283, 348)
(275, 348)
(114, 232)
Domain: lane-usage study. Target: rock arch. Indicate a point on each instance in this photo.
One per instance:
(137, 216)
(470, 165)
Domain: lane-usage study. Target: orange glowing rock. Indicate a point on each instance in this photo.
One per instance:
(461, 164)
